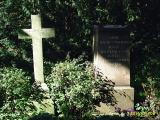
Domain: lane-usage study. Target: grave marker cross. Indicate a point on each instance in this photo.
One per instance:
(36, 34)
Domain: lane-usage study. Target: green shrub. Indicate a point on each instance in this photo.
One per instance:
(15, 82)
(148, 78)
(15, 92)
(74, 88)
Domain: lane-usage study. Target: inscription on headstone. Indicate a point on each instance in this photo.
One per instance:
(112, 54)
(112, 59)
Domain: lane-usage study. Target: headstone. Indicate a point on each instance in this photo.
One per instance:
(111, 45)
(36, 34)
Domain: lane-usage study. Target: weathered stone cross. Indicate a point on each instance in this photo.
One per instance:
(36, 34)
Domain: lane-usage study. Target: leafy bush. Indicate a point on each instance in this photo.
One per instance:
(15, 91)
(74, 88)
(148, 78)
(15, 82)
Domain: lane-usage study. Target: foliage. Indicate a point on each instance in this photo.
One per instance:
(43, 116)
(15, 83)
(66, 15)
(74, 88)
(148, 78)
(145, 48)
(16, 94)
(20, 109)
(142, 107)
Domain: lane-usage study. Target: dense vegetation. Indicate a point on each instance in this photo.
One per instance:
(76, 91)
(73, 21)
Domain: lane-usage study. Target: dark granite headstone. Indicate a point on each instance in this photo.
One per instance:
(112, 53)
(111, 46)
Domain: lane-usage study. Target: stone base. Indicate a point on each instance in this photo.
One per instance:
(46, 105)
(124, 96)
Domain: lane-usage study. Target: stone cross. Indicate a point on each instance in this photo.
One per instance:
(36, 34)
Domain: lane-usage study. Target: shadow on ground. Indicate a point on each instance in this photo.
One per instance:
(116, 118)
(43, 116)
(46, 116)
